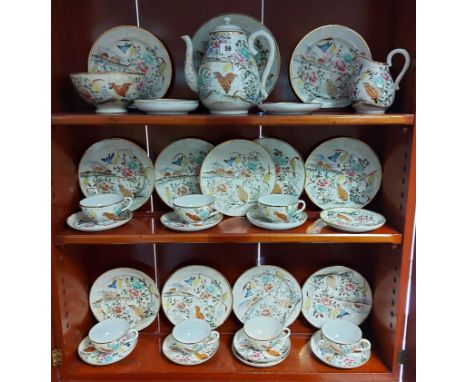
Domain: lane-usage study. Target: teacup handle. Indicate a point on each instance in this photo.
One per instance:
(214, 339)
(366, 345)
(405, 54)
(133, 338)
(286, 333)
(129, 201)
(299, 210)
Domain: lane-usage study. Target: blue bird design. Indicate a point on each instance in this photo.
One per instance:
(190, 280)
(137, 284)
(230, 161)
(113, 285)
(248, 292)
(178, 161)
(125, 47)
(109, 158)
(342, 314)
(335, 156)
(326, 46)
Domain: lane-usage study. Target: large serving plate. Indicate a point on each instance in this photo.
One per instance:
(117, 166)
(125, 293)
(249, 25)
(177, 168)
(289, 166)
(342, 172)
(322, 65)
(267, 290)
(197, 291)
(131, 49)
(336, 292)
(237, 173)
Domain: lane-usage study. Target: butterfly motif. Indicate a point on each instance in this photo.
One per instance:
(325, 47)
(335, 156)
(113, 285)
(125, 47)
(230, 161)
(178, 161)
(109, 158)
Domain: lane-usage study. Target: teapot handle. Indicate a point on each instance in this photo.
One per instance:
(271, 56)
(405, 54)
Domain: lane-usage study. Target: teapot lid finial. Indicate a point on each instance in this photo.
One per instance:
(227, 26)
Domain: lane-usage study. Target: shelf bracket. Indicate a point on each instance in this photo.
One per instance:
(56, 357)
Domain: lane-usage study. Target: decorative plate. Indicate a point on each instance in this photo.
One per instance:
(131, 49)
(166, 105)
(90, 355)
(172, 221)
(117, 166)
(255, 217)
(331, 358)
(267, 290)
(279, 349)
(249, 25)
(237, 173)
(201, 354)
(352, 219)
(80, 222)
(289, 166)
(177, 168)
(289, 108)
(322, 65)
(342, 172)
(336, 292)
(125, 293)
(197, 291)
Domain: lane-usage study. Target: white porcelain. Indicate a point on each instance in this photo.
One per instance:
(328, 356)
(104, 207)
(107, 336)
(366, 108)
(263, 332)
(352, 219)
(80, 222)
(194, 208)
(117, 166)
(177, 168)
(280, 208)
(289, 166)
(343, 337)
(200, 353)
(289, 108)
(237, 173)
(197, 291)
(173, 221)
(194, 333)
(228, 80)
(322, 66)
(125, 293)
(257, 219)
(109, 92)
(166, 105)
(127, 48)
(267, 291)
(342, 172)
(336, 292)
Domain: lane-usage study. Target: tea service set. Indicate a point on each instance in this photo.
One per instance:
(197, 299)
(232, 62)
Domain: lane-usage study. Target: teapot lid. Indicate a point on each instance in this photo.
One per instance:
(227, 27)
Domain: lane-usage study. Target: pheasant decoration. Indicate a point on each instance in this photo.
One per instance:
(122, 89)
(225, 81)
(193, 217)
(198, 313)
(242, 194)
(342, 194)
(281, 216)
(371, 91)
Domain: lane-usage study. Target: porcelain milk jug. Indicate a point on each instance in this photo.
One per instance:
(373, 84)
(228, 80)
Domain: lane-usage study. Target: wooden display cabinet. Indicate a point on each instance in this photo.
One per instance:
(382, 256)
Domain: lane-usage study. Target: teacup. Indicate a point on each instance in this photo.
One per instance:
(279, 208)
(105, 207)
(343, 337)
(264, 332)
(193, 334)
(194, 208)
(108, 335)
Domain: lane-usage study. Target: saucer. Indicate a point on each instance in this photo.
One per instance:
(367, 108)
(172, 221)
(352, 219)
(80, 222)
(290, 108)
(331, 358)
(246, 354)
(166, 105)
(176, 355)
(97, 358)
(254, 216)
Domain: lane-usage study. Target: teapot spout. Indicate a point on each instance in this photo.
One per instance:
(190, 75)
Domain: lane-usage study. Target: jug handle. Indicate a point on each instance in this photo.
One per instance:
(405, 54)
(271, 57)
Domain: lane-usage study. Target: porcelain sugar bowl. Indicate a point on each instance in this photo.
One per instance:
(228, 80)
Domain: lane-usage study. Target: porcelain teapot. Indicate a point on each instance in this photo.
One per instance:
(373, 85)
(228, 80)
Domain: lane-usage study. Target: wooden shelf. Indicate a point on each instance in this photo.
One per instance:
(319, 118)
(147, 362)
(147, 228)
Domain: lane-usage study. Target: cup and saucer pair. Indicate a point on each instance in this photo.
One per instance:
(192, 213)
(278, 212)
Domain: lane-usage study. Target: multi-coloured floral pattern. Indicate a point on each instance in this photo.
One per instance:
(336, 292)
(125, 293)
(289, 166)
(352, 219)
(117, 166)
(197, 292)
(172, 221)
(237, 173)
(133, 50)
(201, 352)
(177, 168)
(342, 172)
(269, 291)
(89, 354)
(80, 222)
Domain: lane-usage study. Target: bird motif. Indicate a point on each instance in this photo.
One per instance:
(193, 217)
(125, 46)
(122, 89)
(138, 311)
(372, 92)
(324, 47)
(110, 216)
(225, 81)
(267, 177)
(109, 158)
(342, 194)
(335, 156)
(343, 217)
(277, 189)
(190, 280)
(230, 161)
(273, 352)
(281, 216)
(124, 191)
(331, 87)
(242, 194)
(96, 85)
(330, 281)
(201, 355)
(198, 313)
(178, 161)
(113, 284)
